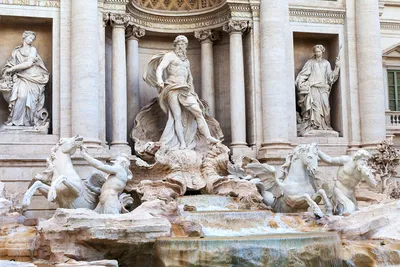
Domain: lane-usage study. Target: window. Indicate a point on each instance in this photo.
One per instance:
(394, 89)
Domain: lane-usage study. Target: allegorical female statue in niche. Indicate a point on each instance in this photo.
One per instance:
(23, 80)
(314, 83)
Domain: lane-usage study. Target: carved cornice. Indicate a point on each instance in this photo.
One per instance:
(134, 31)
(325, 16)
(240, 11)
(119, 20)
(195, 20)
(255, 11)
(236, 26)
(390, 25)
(207, 35)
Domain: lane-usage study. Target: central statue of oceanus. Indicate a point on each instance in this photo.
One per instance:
(170, 73)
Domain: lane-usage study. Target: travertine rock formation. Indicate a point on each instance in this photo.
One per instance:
(84, 235)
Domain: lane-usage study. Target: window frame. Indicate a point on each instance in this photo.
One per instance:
(396, 85)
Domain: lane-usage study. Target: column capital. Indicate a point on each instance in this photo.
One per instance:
(118, 20)
(134, 32)
(236, 26)
(207, 35)
(105, 18)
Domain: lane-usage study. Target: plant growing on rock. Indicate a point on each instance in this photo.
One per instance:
(384, 162)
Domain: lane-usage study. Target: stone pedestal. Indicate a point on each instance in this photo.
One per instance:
(321, 133)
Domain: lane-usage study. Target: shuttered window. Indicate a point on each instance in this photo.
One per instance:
(394, 89)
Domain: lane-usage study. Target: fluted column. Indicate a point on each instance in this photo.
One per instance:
(274, 18)
(85, 77)
(133, 33)
(104, 18)
(206, 38)
(369, 60)
(237, 97)
(118, 85)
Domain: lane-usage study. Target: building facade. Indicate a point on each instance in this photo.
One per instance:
(245, 57)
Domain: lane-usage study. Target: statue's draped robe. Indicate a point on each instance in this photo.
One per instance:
(314, 84)
(186, 97)
(27, 95)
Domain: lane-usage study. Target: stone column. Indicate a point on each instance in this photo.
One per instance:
(133, 33)
(85, 78)
(370, 86)
(274, 18)
(206, 38)
(237, 97)
(65, 69)
(103, 18)
(118, 85)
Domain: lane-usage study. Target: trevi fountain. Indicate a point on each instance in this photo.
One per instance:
(199, 133)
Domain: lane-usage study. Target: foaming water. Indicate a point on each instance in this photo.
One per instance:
(238, 223)
(208, 202)
(295, 249)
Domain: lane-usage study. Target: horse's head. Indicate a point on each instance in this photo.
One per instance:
(309, 157)
(69, 145)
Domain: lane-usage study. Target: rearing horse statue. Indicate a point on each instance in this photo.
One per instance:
(295, 190)
(60, 182)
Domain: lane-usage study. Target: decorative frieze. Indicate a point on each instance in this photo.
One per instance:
(178, 5)
(202, 19)
(121, 2)
(317, 16)
(390, 25)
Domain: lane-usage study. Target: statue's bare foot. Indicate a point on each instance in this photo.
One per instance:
(212, 140)
(182, 146)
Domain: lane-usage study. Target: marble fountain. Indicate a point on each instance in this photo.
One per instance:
(182, 201)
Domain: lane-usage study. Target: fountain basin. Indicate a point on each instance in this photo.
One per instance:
(294, 249)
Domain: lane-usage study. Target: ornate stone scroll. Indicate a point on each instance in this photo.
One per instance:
(205, 35)
(236, 26)
(134, 31)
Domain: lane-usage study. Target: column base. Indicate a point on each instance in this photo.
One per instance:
(241, 149)
(119, 148)
(94, 147)
(274, 150)
(371, 145)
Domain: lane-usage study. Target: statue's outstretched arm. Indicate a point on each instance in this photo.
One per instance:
(98, 164)
(332, 160)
